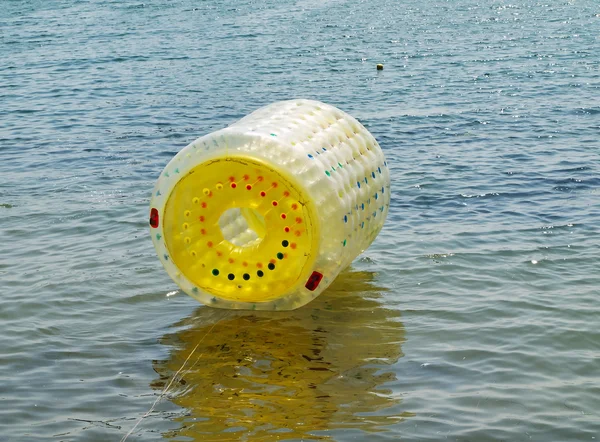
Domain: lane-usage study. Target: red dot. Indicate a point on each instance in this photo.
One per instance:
(283, 216)
(274, 203)
(287, 229)
(233, 185)
(263, 194)
(203, 205)
(249, 187)
(209, 244)
(154, 218)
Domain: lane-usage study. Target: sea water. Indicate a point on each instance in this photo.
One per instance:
(473, 317)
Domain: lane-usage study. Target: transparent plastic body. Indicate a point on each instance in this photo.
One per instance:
(264, 214)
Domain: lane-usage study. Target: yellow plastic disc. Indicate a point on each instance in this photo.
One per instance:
(240, 230)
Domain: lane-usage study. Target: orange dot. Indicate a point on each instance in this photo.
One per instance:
(201, 219)
(231, 260)
(259, 265)
(246, 177)
(260, 178)
(287, 229)
(245, 264)
(293, 245)
(249, 187)
(203, 231)
(219, 253)
(273, 261)
(209, 244)
(294, 206)
(203, 205)
(274, 203)
(286, 193)
(232, 179)
(233, 185)
(297, 233)
(283, 216)
(274, 184)
(263, 194)
(299, 220)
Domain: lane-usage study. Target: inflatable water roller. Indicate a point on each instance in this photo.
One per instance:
(264, 214)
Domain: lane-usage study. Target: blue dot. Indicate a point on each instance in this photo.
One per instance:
(366, 182)
(382, 190)
(310, 156)
(363, 206)
(345, 218)
(379, 169)
(358, 184)
(376, 195)
(324, 150)
(362, 226)
(374, 214)
(385, 163)
(373, 174)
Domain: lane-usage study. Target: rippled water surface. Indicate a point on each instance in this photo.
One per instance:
(473, 317)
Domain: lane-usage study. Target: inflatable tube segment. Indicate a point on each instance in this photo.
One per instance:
(264, 214)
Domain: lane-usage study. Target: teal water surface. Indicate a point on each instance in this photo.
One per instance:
(473, 317)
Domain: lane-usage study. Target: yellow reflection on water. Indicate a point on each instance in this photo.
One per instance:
(261, 376)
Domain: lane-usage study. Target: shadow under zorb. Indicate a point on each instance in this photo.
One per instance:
(264, 214)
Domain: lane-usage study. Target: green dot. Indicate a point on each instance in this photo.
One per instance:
(280, 255)
(215, 272)
(344, 243)
(327, 173)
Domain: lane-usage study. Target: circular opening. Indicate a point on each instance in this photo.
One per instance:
(242, 226)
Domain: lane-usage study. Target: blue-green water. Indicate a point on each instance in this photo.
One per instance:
(473, 317)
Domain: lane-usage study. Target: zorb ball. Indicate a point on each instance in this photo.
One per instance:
(264, 214)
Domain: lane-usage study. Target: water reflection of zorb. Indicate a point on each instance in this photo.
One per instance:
(288, 375)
